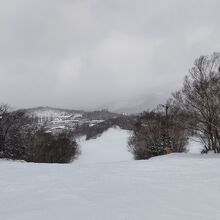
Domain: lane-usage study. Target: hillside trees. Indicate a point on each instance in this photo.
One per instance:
(23, 138)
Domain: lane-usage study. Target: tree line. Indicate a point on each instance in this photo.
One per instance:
(193, 110)
(22, 138)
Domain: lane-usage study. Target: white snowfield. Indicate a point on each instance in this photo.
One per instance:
(106, 184)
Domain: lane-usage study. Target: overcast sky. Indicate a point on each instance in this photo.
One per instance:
(88, 53)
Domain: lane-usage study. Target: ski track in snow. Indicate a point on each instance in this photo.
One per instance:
(106, 183)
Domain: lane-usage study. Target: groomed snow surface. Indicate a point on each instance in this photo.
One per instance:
(105, 183)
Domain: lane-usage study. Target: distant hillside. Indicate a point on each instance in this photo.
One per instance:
(91, 124)
(51, 113)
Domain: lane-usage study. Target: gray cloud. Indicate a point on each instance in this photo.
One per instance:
(88, 53)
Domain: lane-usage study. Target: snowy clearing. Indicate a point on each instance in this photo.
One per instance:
(105, 183)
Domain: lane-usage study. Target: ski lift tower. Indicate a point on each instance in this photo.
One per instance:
(166, 137)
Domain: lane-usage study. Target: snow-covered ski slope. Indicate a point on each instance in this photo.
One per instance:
(111, 147)
(106, 184)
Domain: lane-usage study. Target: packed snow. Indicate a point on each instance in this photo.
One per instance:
(105, 183)
(194, 146)
(109, 148)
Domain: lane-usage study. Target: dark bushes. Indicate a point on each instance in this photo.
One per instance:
(144, 142)
(47, 148)
(12, 129)
(156, 134)
(21, 138)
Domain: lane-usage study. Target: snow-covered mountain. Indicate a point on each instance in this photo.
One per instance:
(79, 122)
(51, 113)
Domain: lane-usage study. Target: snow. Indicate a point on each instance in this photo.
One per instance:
(105, 184)
(194, 146)
(54, 115)
(47, 113)
(58, 127)
(109, 148)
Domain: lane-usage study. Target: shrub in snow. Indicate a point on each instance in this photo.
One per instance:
(156, 134)
(47, 148)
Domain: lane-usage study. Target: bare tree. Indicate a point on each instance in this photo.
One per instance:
(200, 98)
(157, 133)
(143, 143)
